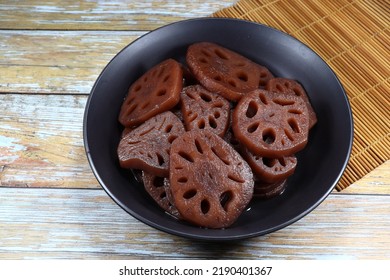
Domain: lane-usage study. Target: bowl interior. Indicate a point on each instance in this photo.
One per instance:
(320, 164)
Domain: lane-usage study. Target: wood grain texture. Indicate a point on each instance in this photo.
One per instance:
(56, 62)
(41, 141)
(101, 15)
(41, 145)
(51, 206)
(86, 224)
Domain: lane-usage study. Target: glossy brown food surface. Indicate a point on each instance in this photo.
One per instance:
(271, 124)
(159, 189)
(147, 146)
(210, 136)
(224, 71)
(289, 86)
(211, 183)
(270, 170)
(156, 91)
(203, 109)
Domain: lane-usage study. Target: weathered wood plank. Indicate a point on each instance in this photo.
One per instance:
(87, 224)
(70, 61)
(102, 15)
(41, 145)
(56, 62)
(41, 142)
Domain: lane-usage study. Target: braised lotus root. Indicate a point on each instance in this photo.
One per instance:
(270, 170)
(156, 91)
(224, 71)
(210, 182)
(269, 190)
(290, 86)
(208, 136)
(147, 147)
(159, 190)
(271, 124)
(203, 109)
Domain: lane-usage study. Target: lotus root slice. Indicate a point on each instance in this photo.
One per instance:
(147, 147)
(290, 86)
(156, 91)
(271, 124)
(211, 184)
(224, 71)
(203, 109)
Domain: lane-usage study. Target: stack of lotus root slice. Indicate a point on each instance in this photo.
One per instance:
(210, 136)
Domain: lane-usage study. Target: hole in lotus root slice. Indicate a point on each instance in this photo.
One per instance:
(147, 146)
(262, 97)
(205, 206)
(201, 124)
(160, 92)
(276, 162)
(166, 78)
(253, 127)
(190, 193)
(236, 178)
(205, 97)
(224, 71)
(233, 83)
(283, 101)
(225, 199)
(204, 110)
(264, 190)
(289, 86)
(221, 54)
(186, 156)
(136, 88)
(203, 60)
(221, 154)
(242, 76)
(182, 180)
(171, 138)
(212, 122)
(268, 136)
(213, 193)
(270, 170)
(160, 159)
(293, 125)
(295, 111)
(159, 190)
(198, 146)
(219, 104)
(146, 104)
(218, 78)
(251, 110)
(206, 53)
(273, 131)
(168, 128)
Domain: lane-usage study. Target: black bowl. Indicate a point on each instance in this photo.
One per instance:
(320, 164)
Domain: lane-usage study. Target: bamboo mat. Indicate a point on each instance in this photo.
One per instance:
(353, 38)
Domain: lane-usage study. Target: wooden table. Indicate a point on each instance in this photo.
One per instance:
(51, 206)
